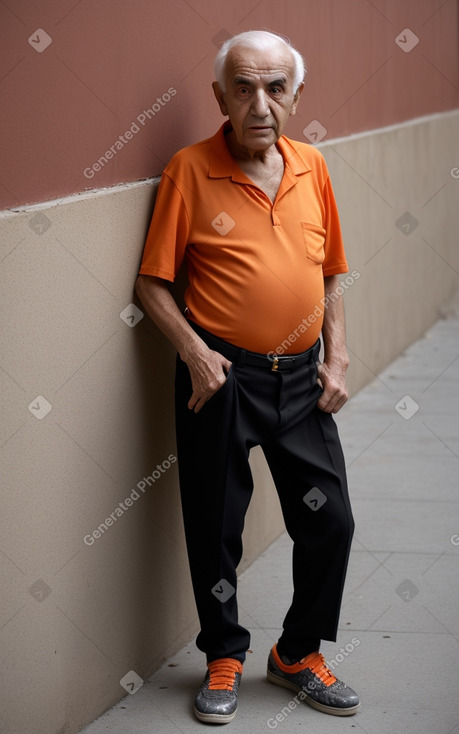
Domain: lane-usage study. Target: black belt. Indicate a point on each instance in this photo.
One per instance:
(271, 361)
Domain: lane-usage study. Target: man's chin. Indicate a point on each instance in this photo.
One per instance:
(259, 138)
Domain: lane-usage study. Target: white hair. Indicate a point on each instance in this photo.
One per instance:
(261, 41)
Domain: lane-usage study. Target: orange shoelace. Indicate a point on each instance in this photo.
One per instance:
(317, 665)
(223, 673)
(315, 661)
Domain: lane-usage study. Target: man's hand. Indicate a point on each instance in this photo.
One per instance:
(333, 379)
(208, 371)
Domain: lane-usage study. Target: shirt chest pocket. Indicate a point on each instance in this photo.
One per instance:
(314, 238)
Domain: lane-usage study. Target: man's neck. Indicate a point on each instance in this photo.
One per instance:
(245, 155)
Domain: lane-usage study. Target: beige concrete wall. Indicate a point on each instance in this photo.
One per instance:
(76, 616)
(398, 193)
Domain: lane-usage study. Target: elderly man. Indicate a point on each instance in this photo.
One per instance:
(253, 215)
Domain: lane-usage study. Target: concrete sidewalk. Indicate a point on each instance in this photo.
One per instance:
(398, 643)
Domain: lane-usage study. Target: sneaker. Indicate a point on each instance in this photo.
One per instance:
(216, 700)
(315, 683)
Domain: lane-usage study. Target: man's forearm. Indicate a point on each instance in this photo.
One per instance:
(208, 368)
(163, 310)
(334, 326)
(332, 371)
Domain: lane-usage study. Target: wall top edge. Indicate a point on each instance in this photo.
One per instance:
(389, 128)
(81, 196)
(117, 188)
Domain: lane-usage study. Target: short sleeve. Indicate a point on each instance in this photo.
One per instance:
(335, 258)
(168, 233)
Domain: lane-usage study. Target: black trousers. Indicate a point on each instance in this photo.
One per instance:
(276, 410)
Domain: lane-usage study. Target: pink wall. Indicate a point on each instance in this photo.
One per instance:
(108, 61)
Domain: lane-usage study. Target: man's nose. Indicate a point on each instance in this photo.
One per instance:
(260, 106)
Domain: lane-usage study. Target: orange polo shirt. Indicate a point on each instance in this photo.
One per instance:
(255, 268)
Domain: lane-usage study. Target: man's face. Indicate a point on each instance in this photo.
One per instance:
(259, 96)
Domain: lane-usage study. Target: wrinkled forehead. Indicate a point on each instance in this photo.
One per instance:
(256, 65)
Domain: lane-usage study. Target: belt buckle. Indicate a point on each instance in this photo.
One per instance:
(283, 364)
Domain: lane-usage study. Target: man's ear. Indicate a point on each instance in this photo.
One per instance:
(219, 96)
(296, 98)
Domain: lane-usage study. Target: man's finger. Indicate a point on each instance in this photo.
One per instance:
(329, 402)
(324, 405)
(192, 402)
(195, 403)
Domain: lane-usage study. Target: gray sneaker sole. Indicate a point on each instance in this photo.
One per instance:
(273, 678)
(214, 718)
